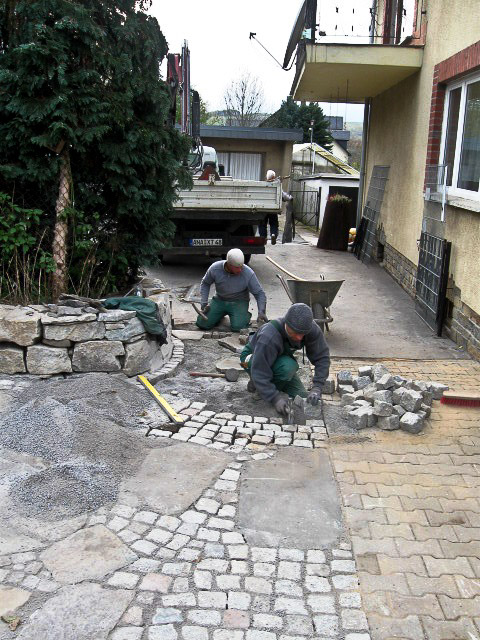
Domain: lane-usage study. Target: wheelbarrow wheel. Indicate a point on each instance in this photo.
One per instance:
(319, 314)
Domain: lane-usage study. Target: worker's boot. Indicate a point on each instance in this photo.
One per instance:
(251, 387)
(273, 239)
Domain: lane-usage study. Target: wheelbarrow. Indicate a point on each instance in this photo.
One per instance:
(317, 294)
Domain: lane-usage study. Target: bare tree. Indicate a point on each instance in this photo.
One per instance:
(243, 101)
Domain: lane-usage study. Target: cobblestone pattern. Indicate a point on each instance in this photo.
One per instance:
(234, 433)
(196, 578)
(412, 504)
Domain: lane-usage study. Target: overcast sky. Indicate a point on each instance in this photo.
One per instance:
(218, 37)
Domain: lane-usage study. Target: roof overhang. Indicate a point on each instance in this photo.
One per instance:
(251, 133)
(352, 72)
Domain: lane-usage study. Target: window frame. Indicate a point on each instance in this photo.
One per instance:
(463, 84)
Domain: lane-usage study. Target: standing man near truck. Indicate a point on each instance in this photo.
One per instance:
(234, 281)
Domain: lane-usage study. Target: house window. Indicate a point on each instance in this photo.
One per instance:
(461, 138)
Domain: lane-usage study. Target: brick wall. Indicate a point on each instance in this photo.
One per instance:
(465, 61)
(400, 268)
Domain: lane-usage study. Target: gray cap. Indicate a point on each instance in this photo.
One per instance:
(299, 318)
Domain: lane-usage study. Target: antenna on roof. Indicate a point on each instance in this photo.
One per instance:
(252, 36)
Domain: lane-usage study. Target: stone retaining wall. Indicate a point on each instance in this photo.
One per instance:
(49, 339)
(400, 268)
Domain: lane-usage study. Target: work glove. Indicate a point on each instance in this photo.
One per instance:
(315, 396)
(262, 317)
(281, 404)
(205, 307)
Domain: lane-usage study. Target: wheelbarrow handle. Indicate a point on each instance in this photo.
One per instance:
(285, 286)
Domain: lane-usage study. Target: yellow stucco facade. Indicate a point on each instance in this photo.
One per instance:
(398, 137)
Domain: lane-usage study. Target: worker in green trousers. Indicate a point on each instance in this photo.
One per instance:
(234, 281)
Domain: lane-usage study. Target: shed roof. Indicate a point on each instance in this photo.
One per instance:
(329, 157)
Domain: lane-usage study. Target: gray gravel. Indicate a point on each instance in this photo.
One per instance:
(89, 429)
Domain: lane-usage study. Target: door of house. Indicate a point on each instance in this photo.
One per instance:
(242, 166)
(431, 283)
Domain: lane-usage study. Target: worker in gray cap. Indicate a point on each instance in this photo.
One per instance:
(269, 358)
(234, 281)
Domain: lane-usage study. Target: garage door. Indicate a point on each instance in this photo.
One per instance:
(243, 166)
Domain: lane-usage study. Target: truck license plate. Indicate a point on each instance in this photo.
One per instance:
(206, 242)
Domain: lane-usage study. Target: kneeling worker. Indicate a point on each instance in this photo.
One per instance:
(234, 282)
(271, 363)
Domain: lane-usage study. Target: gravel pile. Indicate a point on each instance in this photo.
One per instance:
(82, 432)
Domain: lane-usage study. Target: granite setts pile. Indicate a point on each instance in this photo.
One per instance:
(375, 398)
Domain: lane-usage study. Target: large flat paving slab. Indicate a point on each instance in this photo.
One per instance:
(290, 501)
(171, 479)
(85, 611)
(88, 554)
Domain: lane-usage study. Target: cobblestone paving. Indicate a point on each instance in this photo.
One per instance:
(412, 504)
(196, 578)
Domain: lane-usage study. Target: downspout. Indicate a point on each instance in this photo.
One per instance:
(361, 185)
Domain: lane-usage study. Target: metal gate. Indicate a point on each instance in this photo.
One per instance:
(306, 206)
(432, 278)
(366, 239)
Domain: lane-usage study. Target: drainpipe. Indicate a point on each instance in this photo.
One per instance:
(361, 185)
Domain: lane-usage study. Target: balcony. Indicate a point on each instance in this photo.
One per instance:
(351, 72)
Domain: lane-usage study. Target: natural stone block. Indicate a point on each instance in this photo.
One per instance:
(57, 343)
(436, 388)
(134, 327)
(426, 409)
(116, 315)
(329, 385)
(411, 422)
(80, 332)
(385, 382)
(19, 325)
(11, 598)
(79, 612)
(361, 382)
(382, 409)
(365, 371)
(11, 359)
(388, 423)
(379, 370)
(99, 355)
(358, 419)
(344, 377)
(43, 360)
(399, 410)
(411, 400)
(427, 397)
(139, 356)
(368, 392)
(345, 388)
(88, 554)
(383, 396)
(85, 317)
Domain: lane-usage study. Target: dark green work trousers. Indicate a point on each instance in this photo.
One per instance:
(237, 311)
(284, 371)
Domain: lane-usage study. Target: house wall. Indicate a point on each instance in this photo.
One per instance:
(399, 137)
(276, 155)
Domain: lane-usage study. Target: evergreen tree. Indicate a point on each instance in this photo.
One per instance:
(292, 115)
(82, 105)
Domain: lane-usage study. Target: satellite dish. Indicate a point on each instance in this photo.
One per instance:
(296, 34)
